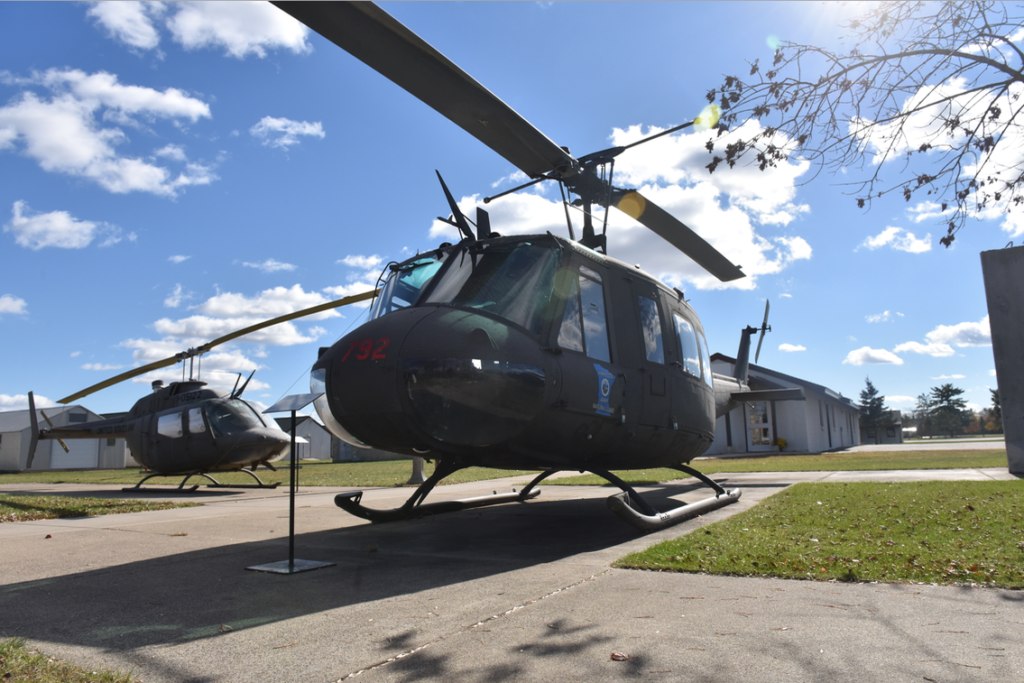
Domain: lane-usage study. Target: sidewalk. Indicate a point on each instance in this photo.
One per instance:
(514, 592)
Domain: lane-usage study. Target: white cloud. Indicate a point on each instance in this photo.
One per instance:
(785, 296)
(284, 133)
(75, 354)
(130, 22)
(178, 258)
(963, 334)
(791, 348)
(907, 400)
(239, 28)
(64, 134)
(940, 340)
(950, 377)
(270, 266)
(55, 229)
(363, 262)
(932, 349)
(20, 402)
(269, 303)
(101, 366)
(900, 240)
(174, 299)
(11, 304)
(883, 317)
(868, 356)
(172, 152)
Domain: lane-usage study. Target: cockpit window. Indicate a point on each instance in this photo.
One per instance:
(231, 416)
(513, 281)
(404, 285)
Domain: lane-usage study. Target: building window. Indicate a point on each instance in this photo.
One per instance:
(111, 442)
(77, 417)
(890, 431)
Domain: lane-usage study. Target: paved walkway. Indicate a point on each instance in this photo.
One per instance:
(520, 592)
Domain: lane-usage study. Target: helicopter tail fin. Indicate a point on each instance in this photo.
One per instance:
(34, 439)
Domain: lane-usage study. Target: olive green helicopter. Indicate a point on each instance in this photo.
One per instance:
(185, 428)
(530, 351)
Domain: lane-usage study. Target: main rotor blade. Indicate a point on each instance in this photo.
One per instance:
(377, 39)
(135, 372)
(675, 232)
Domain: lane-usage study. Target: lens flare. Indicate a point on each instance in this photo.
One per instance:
(773, 42)
(633, 205)
(708, 118)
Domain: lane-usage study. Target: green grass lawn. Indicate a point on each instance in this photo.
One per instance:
(312, 473)
(24, 508)
(966, 532)
(21, 665)
(824, 462)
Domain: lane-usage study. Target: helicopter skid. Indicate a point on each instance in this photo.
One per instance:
(622, 505)
(181, 488)
(350, 503)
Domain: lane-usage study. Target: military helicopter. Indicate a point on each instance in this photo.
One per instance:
(186, 428)
(527, 352)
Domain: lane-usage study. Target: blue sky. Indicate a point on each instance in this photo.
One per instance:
(170, 172)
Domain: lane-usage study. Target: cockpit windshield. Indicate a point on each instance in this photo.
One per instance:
(231, 416)
(512, 280)
(405, 283)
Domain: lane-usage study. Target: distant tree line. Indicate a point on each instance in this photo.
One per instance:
(941, 411)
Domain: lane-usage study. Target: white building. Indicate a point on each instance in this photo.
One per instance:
(16, 435)
(825, 421)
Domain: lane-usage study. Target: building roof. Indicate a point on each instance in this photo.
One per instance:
(17, 420)
(820, 388)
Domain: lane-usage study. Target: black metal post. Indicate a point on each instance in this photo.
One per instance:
(291, 505)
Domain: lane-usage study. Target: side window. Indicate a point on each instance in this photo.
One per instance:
(195, 421)
(687, 345)
(585, 323)
(169, 425)
(706, 360)
(570, 334)
(650, 328)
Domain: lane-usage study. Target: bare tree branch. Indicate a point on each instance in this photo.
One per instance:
(937, 84)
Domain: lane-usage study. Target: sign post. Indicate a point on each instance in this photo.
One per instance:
(291, 565)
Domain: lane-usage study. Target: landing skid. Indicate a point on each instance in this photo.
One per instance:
(180, 488)
(414, 507)
(628, 505)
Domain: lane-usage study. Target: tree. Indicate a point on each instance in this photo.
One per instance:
(922, 415)
(937, 85)
(995, 413)
(948, 411)
(874, 413)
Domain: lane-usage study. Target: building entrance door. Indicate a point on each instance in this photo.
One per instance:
(759, 426)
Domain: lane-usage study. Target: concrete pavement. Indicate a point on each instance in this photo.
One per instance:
(514, 592)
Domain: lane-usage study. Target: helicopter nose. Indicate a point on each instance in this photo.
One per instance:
(448, 377)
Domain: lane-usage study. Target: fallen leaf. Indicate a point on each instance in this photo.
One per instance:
(224, 628)
(281, 647)
(619, 656)
(49, 536)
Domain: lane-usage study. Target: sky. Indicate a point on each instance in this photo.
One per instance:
(171, 172)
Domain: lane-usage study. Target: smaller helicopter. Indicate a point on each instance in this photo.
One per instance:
(186, 428)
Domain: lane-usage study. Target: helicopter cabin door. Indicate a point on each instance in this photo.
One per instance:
(657, 394)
